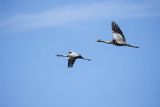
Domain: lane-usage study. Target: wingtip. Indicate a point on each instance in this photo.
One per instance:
(70, 66)
(113, 23)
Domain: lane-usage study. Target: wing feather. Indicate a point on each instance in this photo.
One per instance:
(117, 32)
(71, 61)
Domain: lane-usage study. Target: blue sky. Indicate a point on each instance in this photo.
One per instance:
(32, 32)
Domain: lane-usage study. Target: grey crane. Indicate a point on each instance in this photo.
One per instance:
(72, 56)
(118, 37)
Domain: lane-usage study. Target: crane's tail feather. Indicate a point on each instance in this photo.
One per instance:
(87, 59)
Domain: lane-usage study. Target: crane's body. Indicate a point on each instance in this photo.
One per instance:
(72, 56)
(118, 37)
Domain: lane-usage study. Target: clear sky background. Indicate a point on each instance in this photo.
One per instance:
(32, 32)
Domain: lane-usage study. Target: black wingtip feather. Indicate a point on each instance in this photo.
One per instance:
(70, 65)
(114, 23)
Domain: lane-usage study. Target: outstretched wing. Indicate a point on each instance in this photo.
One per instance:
(117, 33)
(71, 62)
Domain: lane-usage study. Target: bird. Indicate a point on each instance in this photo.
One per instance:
(72, 56)
(118, 37)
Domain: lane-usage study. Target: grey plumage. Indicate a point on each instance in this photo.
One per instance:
(72, 57)
(118, 37)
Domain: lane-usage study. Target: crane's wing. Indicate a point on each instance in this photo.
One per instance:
(71, 62)
(117, 33)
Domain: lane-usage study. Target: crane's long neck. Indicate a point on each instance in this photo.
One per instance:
(107, 42)
(59, 55)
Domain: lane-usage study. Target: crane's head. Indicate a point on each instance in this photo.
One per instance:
(99, 40)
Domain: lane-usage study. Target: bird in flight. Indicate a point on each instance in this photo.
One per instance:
(118, 37)
(72, 56)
